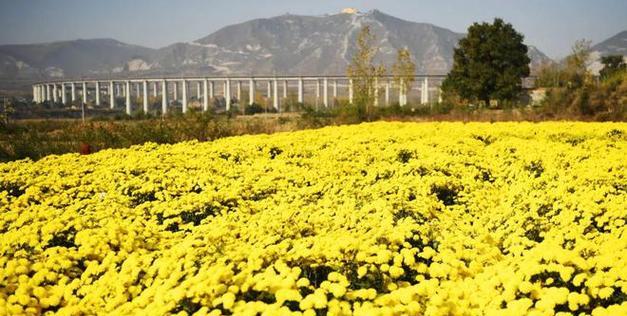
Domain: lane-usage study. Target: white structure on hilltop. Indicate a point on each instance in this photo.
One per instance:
(349, 11)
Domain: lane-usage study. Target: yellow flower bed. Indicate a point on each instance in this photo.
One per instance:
(372, 219)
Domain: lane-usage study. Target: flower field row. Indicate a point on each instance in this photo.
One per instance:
(370, 219)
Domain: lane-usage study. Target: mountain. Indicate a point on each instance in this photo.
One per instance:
(72, 59)
(615, 45)
(294, 44)
(286, 44)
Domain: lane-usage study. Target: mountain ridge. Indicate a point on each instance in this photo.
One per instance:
(285, 44)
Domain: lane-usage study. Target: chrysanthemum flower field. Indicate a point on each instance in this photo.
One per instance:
(371, 219)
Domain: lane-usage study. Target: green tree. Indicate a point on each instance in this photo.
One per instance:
(363, 72)
(489, 64)
(611, 65)
(404, 71)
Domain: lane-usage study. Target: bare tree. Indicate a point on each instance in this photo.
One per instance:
(404, 71)
(363, 72)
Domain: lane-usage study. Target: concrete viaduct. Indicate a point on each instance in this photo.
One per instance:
(178, 89)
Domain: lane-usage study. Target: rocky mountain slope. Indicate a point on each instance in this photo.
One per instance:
(286, 44)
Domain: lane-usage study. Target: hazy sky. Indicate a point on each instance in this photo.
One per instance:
(552, 25)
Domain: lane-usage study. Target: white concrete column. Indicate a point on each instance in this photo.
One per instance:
(155, 89)
(84, 92)
(175, 90)
(145, 96)
(198, 90)
(317, 91)
(376, 91)
(205, 95)
(184, 100)
(73, 91)
(35, 94)
(63, 94)
(211, 93)
(350, 91)
(55, 93)
(97, 92)
(425, 91)
(137, 93)
(275, 92)
(325, 92)
(128, 97)
(239, 92)
(401, 92)
(335, 89)
(111, 95)
(251, 91)
(164, 97)
(440, 95)
(227, 93)
(300, 90)
(284, 89)
(47, 92)
(269, 94)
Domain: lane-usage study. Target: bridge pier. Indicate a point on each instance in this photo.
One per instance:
(97, 93)
(350, 91)
(164, 97)
(128, 97)
(227, 93)
(239, 91)
(205, 95)
(424, 91)
(251, 91)
(111, 96)
(275, 97)
(84, 92)
(401, 93)
(300, 90)
(63, 94)
(175, 90)
(145, 96)
(325, 91)
(184, 99)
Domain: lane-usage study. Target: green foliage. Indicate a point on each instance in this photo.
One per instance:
(489, 64)
(612, 65)
(572, 89)
(253, 108)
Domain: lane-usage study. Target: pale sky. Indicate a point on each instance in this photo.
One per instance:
(551, 25)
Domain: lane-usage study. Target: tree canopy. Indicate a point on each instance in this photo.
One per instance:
(611, 65)
(488, 64)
